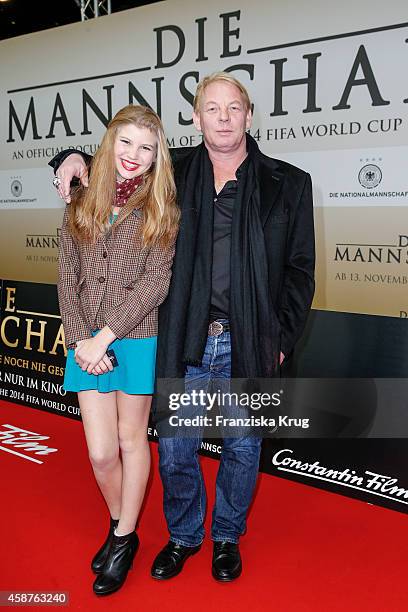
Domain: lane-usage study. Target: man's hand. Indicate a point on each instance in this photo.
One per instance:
(72, 166)
(281, 358)
(90, 353)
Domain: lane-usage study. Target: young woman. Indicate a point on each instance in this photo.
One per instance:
(116, 251)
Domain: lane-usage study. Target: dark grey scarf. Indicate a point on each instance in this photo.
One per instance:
(184, 316)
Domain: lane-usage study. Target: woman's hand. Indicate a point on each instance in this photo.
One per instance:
(90, 352)
(105, 365)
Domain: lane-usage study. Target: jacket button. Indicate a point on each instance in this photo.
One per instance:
(101, 279)
(104, 254)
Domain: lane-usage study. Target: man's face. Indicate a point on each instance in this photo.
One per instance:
(222, 117)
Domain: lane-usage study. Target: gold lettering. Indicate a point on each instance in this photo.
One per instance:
(3, 331)
(59, 341)
(37, 366)
(40, 334)
(10, 299)
(14, 361)
(55, 370)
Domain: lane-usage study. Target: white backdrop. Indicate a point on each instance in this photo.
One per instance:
(330, 95)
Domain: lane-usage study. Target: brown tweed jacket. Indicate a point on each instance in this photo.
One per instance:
(114, 282)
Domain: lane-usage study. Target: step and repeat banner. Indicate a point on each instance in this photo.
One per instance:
(330, 99)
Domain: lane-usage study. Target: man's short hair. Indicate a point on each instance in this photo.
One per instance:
(224, 77)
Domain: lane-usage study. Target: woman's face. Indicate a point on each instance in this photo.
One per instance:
(134, 151)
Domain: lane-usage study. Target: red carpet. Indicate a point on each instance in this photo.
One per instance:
(305, 549)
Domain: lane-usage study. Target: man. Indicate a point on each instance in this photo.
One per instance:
(240, 293)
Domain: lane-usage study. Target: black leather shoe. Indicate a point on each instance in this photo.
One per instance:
(99, 559)
(226, 563)
(170, 560)
(119, 560)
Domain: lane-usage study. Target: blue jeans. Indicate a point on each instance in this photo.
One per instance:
(183, 484)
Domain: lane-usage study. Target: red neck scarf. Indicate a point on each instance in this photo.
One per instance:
(125, 189)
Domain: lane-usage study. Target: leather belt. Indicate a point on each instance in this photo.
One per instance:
(216, 328)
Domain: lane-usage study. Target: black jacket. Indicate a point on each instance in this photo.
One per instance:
(286, 198)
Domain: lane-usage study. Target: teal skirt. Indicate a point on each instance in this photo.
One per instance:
(134, 373)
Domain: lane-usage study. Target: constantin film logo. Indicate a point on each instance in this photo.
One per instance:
(371, 482)
(27, 443)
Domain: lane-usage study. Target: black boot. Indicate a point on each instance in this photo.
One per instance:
(120, 559)
(99, 559)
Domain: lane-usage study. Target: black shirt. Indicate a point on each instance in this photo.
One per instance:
(223, 209)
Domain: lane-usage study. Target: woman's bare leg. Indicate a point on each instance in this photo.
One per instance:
(133, 412)
(100, 420)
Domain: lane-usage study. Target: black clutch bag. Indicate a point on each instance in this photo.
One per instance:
(112, 357)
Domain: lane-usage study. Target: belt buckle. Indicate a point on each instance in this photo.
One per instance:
(215, 328)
